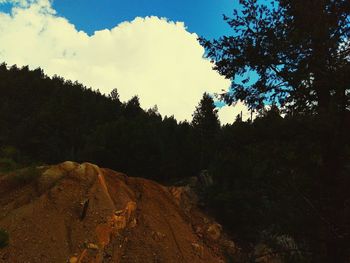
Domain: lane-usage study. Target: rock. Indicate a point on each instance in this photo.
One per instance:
(157, 236)
(214, 231)
(68, 166)
(92, 246)
(73, 260)
(123, 218)
(119, 212)
(130, 209)
(133, 223)
(198, 249)
(119, 222)
(50, 177)
(199, 231)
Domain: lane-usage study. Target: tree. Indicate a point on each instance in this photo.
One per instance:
(298, 49)
(132, 107)
(300, 53)
(206, 124)
(114, 95)
(205, 117)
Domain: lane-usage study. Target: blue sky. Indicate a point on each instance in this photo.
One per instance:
(203, 17)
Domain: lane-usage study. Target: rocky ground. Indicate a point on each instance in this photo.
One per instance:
(82, 213)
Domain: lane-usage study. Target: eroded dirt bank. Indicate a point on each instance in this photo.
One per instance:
(82, 213)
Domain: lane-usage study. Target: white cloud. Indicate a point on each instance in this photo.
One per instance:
(228, 114)
(151, 57)
(26, 3)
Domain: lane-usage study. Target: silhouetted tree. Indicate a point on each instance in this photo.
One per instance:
(299, 51)
(205, 117)
(132, 107)
(114, 95)
(206, 124)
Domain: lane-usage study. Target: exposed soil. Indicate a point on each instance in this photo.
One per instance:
(82, 213)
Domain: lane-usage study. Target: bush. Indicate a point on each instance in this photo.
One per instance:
(4, 238)
(7, 164)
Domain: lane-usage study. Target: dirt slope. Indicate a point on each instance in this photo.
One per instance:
(82, 213)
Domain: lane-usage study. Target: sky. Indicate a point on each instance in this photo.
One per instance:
(203, 17)
(147, 48)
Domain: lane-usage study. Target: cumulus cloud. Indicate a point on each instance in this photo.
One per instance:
(26, 3)
(156, 59)
(21, 2)
(228, 114)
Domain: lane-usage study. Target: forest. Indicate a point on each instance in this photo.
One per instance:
(284, 173)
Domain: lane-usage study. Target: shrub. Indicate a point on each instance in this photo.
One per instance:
(4, 238)
(7, 164)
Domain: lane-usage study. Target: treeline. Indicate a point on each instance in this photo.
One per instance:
(266, 172)
(50, 120)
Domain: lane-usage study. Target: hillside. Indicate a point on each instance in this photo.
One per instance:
(49, 120)
(82, 213)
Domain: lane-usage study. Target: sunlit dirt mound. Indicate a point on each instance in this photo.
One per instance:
(82, 213)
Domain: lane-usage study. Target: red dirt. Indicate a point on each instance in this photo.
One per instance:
(127, 219)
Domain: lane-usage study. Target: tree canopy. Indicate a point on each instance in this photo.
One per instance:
(205, 116)
(299, 54)
(299, 51)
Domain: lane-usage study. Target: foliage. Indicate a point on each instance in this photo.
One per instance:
(205, 116)
(4, 238)
(50, 120)
(8, 155)
(299, 52)
(298, 63)
(7, 165)
(206, 126)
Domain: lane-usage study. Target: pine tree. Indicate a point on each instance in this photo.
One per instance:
(206, 124)
(132, 107)
(114, 95)
(205, 117)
